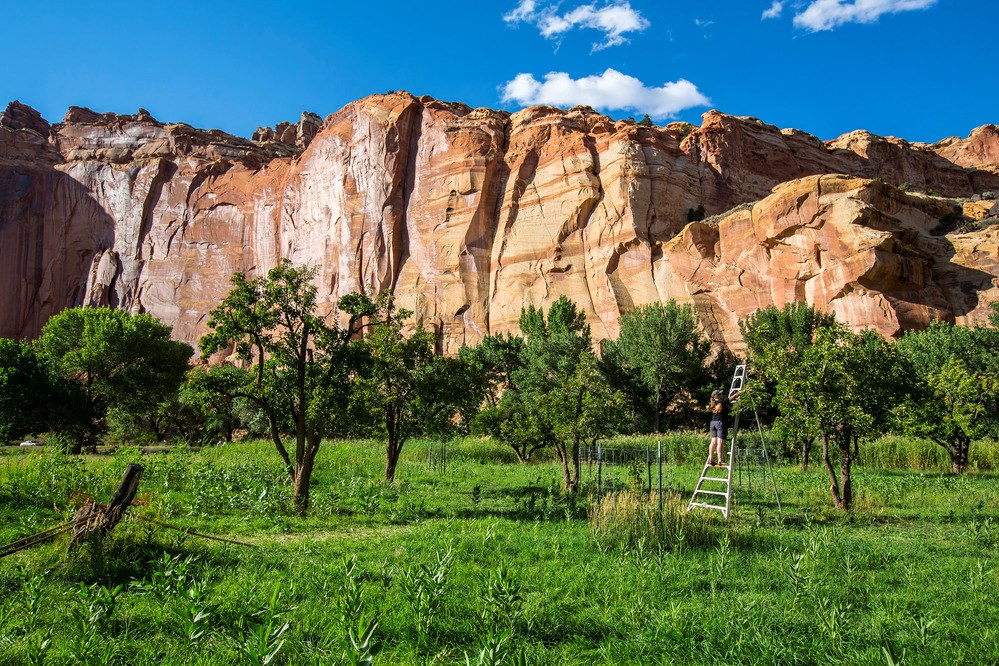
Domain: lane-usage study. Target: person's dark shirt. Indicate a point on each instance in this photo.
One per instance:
(721, 415)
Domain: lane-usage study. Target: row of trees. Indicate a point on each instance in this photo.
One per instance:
(824, 383)
(299, 378)
(546, 389)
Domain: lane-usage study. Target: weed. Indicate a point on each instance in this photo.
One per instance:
(361, 646)
(33, 588)
(793, 568)
(891, 655)
(494, 650)
(833, 616)
(89, 623)
(423, 586)
(924, 629)
(192, 614)
(168, 578)
(351, 604)
(503, 599)
(38, 648)
(624, 518)
(719, 560)
(263, 641)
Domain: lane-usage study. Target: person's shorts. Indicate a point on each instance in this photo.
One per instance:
(719, 430)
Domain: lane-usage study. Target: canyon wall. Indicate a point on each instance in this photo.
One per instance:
(471, 214)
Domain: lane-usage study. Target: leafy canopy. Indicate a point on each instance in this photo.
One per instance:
(117, 359)
(658, 361)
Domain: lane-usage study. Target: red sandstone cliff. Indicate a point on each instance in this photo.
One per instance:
(470, 214)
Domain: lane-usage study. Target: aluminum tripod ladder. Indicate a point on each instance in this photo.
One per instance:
(720, 486)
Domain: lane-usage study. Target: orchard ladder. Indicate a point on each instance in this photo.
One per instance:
(720, 486)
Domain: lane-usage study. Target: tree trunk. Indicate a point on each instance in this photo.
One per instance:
(806, 448)
(392, 448)
(574, 486)
(303, 475)
(391, 460)
(833, 484)
(959, 456)
(300, 495)
(564, 459)
(845, 460)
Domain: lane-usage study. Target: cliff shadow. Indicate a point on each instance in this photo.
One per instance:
(51, 228)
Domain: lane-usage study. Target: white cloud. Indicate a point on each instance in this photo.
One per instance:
(610, 90)
(614, 20)
(828, 14)
(774, 11)
(522, 12)
(702, 23)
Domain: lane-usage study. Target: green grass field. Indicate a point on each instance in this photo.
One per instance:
(488, 561)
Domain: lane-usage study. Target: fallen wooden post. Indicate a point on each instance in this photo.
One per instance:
(96, 520)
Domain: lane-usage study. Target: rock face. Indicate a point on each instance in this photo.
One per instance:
(471, 214)
(300, 134)
(858, 248)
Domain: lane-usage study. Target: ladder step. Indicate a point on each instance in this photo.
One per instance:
(711, 492)
(714, 478)
(705, 506)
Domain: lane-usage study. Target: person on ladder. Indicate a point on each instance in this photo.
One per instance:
(720, 406)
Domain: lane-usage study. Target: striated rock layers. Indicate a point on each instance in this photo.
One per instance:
(471, 214)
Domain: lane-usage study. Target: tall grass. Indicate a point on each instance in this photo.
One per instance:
(678, 448)
(633, 519)
(909, 453)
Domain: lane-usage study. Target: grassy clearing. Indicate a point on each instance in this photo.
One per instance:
(490, 557)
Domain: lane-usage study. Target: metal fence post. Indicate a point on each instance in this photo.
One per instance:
(660, 456)
(648, 466)
(600, 465)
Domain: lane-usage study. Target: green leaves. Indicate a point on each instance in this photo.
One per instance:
(115, 359)
(423, 586)
(24, 388)
(263, 640)
(658, 361)
(408, 387)
(555, 393)
(302, 364)
(956, 398)
(954, 408)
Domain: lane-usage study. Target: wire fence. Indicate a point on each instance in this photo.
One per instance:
(645, 469)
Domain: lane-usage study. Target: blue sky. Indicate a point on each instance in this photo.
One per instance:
(919, 69)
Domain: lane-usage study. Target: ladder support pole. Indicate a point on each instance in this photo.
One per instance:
(766, 458)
